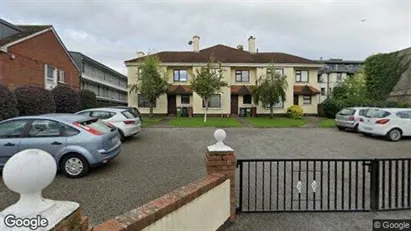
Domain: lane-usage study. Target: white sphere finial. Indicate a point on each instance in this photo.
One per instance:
(29, 171)
(220, 135)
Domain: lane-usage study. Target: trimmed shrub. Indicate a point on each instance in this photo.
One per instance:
(332, 107)
(88, 99)
(33, 100)
(67, 99)
(8, 103)
(295, 112)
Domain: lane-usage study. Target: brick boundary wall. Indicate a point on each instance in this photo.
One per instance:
(74, 222)
(140, 218)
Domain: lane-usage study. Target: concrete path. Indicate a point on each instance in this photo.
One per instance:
(244, 123)
(313, 121)
(163, 123)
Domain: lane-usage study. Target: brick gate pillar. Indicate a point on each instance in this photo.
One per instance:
(220, 158)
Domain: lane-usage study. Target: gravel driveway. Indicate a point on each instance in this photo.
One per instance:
(161, 159)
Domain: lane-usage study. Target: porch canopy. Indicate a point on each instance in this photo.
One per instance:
(242, 90)
(179, 90)
(305, 90)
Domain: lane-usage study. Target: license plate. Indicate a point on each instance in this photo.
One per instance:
(367, 128)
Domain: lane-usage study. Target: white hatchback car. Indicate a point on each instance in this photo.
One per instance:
(126, 122)
(393, 123)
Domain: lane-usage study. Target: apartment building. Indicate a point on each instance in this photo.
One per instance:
(334, 72)
(241, 69)
(109, 85)
(34, 55)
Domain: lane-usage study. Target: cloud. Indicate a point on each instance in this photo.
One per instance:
(113, 31)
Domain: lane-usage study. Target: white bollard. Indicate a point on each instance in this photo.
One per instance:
(28, 173)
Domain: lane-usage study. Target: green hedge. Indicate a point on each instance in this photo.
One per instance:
(8, 103)
(330, 107)
(88, 99)
(32, 100)
(67, 99)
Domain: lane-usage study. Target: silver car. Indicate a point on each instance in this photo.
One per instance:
(350, 117)
(76, 142)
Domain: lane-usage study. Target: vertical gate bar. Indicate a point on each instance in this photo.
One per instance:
(335, 184)
(248, 182)
(374, 186)
(363, 185)
(240, 207)
(285, 184)
(314, 162)
(389, 183)
(356, 184)
(383, 185)
(306, 185)
(329, 186)
(271, 176)
(292, 184)
(349, 183)
(342, 184)
(262, 199)
(299, 180)
(321, 182)
(278, 165)
(402, 183)
(396, 183)
(408, 182)
(255, 185)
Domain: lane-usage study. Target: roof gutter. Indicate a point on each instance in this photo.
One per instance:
(236, 64)
(3, 49)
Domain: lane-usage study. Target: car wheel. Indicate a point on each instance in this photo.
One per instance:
(340, 128)
(356, 128)
(394, 134)
(74, 165)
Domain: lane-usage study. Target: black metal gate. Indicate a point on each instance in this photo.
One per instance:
(318, 185)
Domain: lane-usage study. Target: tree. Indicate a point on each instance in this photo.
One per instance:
(151, 81)
(270, 89)
(353, 88)
(208, 81)
(8, 103)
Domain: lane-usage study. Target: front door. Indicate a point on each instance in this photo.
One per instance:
(234, 104)
(171, 104)
(296, 100)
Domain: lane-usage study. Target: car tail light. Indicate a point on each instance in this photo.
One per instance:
(361, 119)
(383, 121)
(351, 118)
(108, 124)
(91, 130)
(128, 121)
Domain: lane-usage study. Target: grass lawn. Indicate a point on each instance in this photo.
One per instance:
(148, 122)
(199, 122)
(328, 123)
(276, 122)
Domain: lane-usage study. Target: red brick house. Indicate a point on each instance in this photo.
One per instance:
(35, 55)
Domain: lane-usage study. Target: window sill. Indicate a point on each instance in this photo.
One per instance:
(62, 82)
(213, 108)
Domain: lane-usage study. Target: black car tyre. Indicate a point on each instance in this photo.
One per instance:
(394, 134)
(74, 165)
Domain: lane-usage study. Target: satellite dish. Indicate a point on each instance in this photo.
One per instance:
(190, 42)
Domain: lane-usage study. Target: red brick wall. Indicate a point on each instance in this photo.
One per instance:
(30, 58)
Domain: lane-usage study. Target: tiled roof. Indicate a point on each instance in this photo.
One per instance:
(179, 89)
(305, 90)
(225, 54)
(27, 30)
(242, 90)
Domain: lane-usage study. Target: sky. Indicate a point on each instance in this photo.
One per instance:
(113, 31)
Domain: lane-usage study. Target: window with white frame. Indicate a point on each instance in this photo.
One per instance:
(61, 76)
(323, 91)
(307, 99)
(279, 71)
(301, 76)
(214, 102)
(180, 75)
(143, 102)
(277, 105)
(50, 74)
(242, 76)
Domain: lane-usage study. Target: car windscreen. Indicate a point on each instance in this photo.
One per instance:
(96, 125)
(128, 114)
(347, 111)
(377, 114)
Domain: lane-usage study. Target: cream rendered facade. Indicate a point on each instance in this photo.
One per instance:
(229, 74)
(327, 82)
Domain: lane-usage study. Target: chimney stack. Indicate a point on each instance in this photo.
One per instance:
(140, 54)
(251, 45)
(240, 47)
(196, 43)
